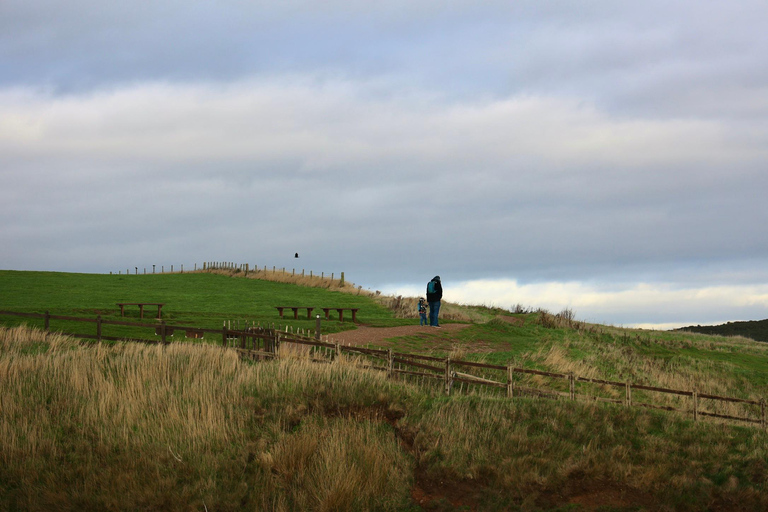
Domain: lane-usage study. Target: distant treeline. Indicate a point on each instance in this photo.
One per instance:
(754, 329)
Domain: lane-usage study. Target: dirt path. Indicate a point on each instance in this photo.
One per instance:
(364, 335)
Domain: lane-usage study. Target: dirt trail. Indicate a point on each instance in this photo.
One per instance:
(364, 335)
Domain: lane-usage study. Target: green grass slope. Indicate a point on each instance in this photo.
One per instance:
(197, 299)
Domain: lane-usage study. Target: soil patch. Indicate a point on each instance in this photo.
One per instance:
(364, 335)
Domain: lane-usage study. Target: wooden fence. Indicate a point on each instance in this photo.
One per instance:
(257, 342)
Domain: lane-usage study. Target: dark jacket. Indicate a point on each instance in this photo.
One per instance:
(434, 297)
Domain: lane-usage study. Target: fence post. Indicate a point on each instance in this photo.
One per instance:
(762, 413)
(47, 321)
(390, 363)
(572, 382)
(317, 327)
(510, 382)
(98, 328)
(224, 335)
(448, 376)
(162, 331)
(695, 397)
(628, 387)
(338, 351)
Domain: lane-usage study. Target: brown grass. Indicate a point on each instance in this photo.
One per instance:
(134, 426)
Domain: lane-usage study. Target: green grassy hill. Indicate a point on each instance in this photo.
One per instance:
(199, 299)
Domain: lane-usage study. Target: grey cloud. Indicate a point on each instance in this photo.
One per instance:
(544, 140)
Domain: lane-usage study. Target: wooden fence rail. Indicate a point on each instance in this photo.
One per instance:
(258, 342)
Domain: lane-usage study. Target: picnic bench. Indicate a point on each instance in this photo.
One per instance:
(141, 307)
(341, 313)
(295, 310)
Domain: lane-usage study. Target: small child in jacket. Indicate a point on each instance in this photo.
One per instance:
(422, 311)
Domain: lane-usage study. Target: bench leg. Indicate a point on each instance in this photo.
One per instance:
(341, 315)
(295, 313)
(141, 310)
(354, 316)
(159, 314)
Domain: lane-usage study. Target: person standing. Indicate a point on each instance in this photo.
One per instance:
(434, 295)
(422, 311)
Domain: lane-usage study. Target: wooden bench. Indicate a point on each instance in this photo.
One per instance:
(295, 311)
(341, 313)
(141, 307)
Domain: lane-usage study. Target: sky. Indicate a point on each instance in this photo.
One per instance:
(603, 156)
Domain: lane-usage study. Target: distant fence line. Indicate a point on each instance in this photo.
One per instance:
(230, 266)
(263, 342)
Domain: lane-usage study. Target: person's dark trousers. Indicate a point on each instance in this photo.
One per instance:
(434, 310)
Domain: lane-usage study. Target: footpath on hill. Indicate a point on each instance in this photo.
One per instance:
(364, 335)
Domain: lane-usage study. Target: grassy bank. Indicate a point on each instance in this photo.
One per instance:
(192, 427)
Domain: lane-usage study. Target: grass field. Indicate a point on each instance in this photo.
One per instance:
(189, 426)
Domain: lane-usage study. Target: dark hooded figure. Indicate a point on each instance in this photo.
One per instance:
(434, 295)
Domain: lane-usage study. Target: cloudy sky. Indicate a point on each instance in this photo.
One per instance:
(605, 156)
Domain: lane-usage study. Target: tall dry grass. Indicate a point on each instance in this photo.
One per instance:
(332, 282)
(102, 427)
(133, 426)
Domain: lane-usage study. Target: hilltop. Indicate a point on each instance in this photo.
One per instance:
(753, 329)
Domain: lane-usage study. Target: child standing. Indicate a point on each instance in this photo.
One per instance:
(422, 311)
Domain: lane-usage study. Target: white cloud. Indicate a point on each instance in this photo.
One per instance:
(337, 124)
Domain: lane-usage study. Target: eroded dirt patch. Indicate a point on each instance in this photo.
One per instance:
(364, 335)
